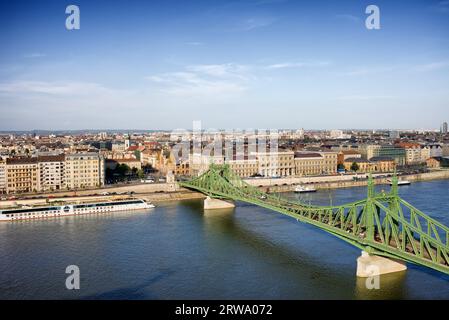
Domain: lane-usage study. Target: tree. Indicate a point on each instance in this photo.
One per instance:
(122, 169)
(140, 174)
(340, 166)
(355, 167)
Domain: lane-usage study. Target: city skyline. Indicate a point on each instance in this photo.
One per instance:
(259, 64)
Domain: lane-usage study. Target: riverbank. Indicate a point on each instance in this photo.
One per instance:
(334, 182)
(171, 192)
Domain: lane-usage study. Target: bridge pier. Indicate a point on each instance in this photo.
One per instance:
(211, 204)
(372, 265)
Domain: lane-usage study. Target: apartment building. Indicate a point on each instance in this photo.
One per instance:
(415, 153)
(395, 152)
(2, 176)
(51, 172)
(315, 163)
(308, 163)
(244, 167)
(84, 170)
(199, 163)
(149, 157)
(281, 163)
(22, 175)
(445, 150)
(330, 160)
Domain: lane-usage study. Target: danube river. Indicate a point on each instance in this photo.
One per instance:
(176, 251)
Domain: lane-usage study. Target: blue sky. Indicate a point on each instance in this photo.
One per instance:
(231, 64)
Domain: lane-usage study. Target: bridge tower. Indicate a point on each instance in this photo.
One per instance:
(371, 265)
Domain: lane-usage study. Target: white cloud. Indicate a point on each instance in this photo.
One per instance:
(52, 88)
(257, 22)
(348, 17)
(34, 55)
(227, 70)
(441, 6)
(362, 71)
(203, 80)
(194, 43)
(297, 65)
(433, 66)
(365, 97)
(213, 79)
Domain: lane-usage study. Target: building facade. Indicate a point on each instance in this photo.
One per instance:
(84, 170)
(376, 164)
(444, 128)
(315, 163)
(51, 172)
(245, 167)
(22, 175)
(397, 153)
(308, 164)
(415, 153)
(276, 164)
(2, 176)
(346, 154)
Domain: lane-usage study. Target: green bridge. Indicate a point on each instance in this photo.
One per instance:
(383, 224)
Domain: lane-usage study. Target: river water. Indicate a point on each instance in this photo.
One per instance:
(177, 251)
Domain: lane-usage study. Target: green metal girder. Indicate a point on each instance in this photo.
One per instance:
(376, 224)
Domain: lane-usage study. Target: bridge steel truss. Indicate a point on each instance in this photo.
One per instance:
(382, 224)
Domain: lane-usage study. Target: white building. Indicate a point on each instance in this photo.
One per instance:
(435, 150)
(51, 171)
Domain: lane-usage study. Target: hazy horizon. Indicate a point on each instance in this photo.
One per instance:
(231, 64)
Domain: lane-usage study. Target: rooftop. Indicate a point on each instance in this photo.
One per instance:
(308, 155)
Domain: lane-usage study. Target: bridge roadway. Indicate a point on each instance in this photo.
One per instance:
(383, 224)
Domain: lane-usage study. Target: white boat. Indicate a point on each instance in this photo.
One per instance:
(73, 209)
(402, 183)
(302, 189)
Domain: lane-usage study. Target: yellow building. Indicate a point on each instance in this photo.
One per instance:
(383, 164)
(315, 163)
(2, 176)
(308, 164)
(84, 170)
(376, 164)
(244, 167)
(22, 175)
(272, 164)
